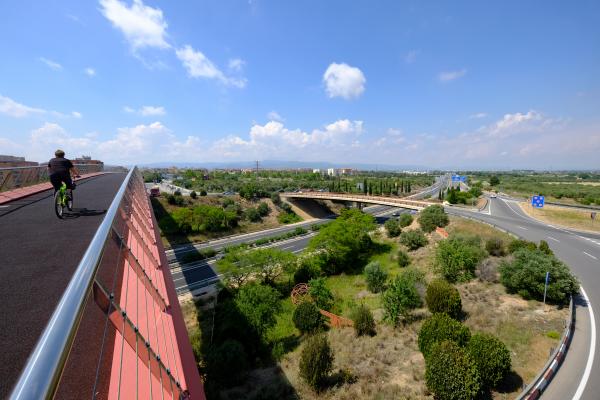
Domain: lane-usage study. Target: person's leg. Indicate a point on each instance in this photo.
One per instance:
(56, 181)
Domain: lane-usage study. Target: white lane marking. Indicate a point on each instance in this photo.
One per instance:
(522, 227)
(590, 361)
(589, 255)
(555, 239)
(288, 247)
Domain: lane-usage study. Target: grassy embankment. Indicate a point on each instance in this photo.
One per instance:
(570, 218)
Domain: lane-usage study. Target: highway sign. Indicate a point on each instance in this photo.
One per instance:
(537, 201)
(459, 178)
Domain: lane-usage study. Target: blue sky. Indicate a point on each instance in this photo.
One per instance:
(439, 84)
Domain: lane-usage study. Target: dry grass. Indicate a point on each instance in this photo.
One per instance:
(570, 218)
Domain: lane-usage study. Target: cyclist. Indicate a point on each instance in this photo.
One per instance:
(60, 170)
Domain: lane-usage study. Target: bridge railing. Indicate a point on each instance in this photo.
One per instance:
(117, 332)
(360, 198)
(19, 177)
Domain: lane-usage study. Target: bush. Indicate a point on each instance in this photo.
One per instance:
(488, 270)
(401, 297)
(456, 259)
(193, 194)
(288, 218)
(413, 239)
(252, 215)
(307, 317)
(495, 247)
(203, 192)
(263, 209)
(438, 328)
(316, 361)
(375, 277)
(258, 304)
(320, 293)
(403, 259)
(226, 202)
(544, 247)
(392, 227)
(432, 217)
(442, 297)
(177, 192)
(308, 270)
(518, 244)
(226, 363)
(526, 275)
(451, 374)
(364, 324)
(491, 357)
(405, 220)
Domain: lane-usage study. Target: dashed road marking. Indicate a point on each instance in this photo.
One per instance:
(589, 255)
(551, 238)
(522, 227)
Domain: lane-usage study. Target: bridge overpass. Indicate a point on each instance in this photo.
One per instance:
(90, 309)
(360, 199)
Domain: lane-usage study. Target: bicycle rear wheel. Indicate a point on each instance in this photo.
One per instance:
(58, 207)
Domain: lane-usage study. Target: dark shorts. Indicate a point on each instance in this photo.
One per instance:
(57, 179)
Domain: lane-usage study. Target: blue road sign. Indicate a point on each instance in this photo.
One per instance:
(463, 178)
(459, 178)
(537, 201)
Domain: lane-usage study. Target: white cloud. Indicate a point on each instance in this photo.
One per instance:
(89, 71)
(128, 109)
(51, 64)
(411, 57)
(76, 114)
(142, 26)
(150, 110)
(342, 80)
(447, 76)
(199, 66)
(236, 64)
(13, 109)
(478, 115)
(274, 116)
(512, 124)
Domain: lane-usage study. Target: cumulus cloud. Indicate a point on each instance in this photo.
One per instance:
(13, 109)
(274, 116)
(51, 64)
(89, 71)
(199, 66)
(512, 124)
(236, 64)
(76, 114)
(142, 26)
(342, 80)
(146, 111)
(448, 76)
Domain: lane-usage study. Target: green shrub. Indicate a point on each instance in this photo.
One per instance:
(252, 215)
(364, 324)
(451, 374)
(401, 297)
(226, 363)
(320, 293)
(288, 217)
(413, 239)
(203, 192)
(308, 270)
(526, 275)
(263, 209)
(193, 194)
(316, 361)
(544, 247)
(392, 227)
(307, 317)
(553, 335)
(518, 244)
(495, 247)
(442, 297)
(432, 217)
(405, 220)
(177, 192)
(403, 259)
(440, 327)
(375, 277)
(456, 259)
(491, 357)
(258, 304)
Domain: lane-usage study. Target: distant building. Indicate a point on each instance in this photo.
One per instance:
(332, 172)
(12, 161)
(86, 160)
(316, 170)
(346, 171)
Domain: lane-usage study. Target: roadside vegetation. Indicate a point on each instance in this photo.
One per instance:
(414, 310)
(570, 218)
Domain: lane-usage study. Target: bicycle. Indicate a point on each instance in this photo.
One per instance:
(63, 198)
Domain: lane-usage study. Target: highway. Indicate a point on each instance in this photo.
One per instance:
(39, 255)
(578, 376)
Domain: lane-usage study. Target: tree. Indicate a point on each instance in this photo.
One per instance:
(494, 180)
(393, 227)
(452, 197)
(268, 263)
(316, 361)
(491, 357)
(259, 304)
(183, 219)
(226, 363)
(320, 293)
(413, 239)
(364, 323)
(433, 217)
(456, 259)
(451, 374)
(307, 317)
(438, 328)
(401, 297)
(375, 277)
(442, 297)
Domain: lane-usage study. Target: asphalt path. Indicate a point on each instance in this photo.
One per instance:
(39, 254)
(579, 375)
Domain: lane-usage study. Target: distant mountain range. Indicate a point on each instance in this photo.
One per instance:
(280, 164)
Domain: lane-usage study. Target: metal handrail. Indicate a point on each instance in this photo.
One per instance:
(41, 376)
(45, 166)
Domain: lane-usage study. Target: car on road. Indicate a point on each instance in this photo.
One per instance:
(493, 196)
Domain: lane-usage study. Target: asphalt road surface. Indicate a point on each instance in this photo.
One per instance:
(39, 254)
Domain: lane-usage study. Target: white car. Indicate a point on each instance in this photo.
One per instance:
(493, 196)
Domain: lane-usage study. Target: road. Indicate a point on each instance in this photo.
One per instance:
(195, 276)
(579, 373)
(432, 191)
(39, 255)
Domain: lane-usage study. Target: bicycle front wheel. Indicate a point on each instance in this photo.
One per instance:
(58, 206)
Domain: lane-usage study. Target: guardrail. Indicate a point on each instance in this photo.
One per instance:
(117, 330)
(384, 200)
(19, 177)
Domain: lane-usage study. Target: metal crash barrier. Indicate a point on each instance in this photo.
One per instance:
(118, 331)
